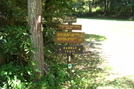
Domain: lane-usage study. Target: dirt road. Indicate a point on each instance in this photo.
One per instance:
(119, 46)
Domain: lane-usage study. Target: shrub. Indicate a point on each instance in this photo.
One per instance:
(15, 48)
(15, 44)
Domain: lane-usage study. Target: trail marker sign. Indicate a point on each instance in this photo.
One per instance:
(69, 19)
(69, 66)
(69, 27)
(70, 37)
(70, 49)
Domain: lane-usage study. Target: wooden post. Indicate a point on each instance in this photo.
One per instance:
(69, 55)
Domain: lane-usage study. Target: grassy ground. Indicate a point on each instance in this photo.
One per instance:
(90, 69)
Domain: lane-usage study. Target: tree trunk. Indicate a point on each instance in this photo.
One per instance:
(105, 6)
(35, 23)
(133, 10)
(90, 6)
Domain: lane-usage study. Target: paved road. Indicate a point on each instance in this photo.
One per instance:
(119, 46)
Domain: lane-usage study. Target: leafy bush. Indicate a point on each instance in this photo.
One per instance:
(13, 12)
(49, 41)
(15, 77)
(15, 44)
(15, 51)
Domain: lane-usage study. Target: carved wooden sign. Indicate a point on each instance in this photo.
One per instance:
(70, 37)
(69, 19)
(70, 49)
(69, 27)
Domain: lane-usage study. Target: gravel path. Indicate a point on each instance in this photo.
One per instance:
(119, 46)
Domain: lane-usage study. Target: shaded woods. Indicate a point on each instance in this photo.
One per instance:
(18, 69)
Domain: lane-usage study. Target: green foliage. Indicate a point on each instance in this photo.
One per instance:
(15, 51)
(104, 8)
(91, 76)
(15, 44)
(53, 11)
(120, 82)
(90, 37)
(16, 71)
(15, 77)
(49, 41)
(54, 8)
(13, 12)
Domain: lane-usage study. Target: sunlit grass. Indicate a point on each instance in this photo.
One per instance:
(118, 36)
(90, 37)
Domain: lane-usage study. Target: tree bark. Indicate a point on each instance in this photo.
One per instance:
(105, 6)
(90, 6)
(133, 10)
(35, 23)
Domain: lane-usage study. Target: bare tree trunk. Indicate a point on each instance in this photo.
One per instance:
(35, 22)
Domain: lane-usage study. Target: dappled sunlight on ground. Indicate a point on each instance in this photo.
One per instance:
(120, 54)
(119, 46)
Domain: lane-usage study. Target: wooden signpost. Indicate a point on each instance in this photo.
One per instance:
(70, 38)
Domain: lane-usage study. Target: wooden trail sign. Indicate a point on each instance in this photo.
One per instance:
(70, 49)
(69, 19)
(69, 27)
(70, 37)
